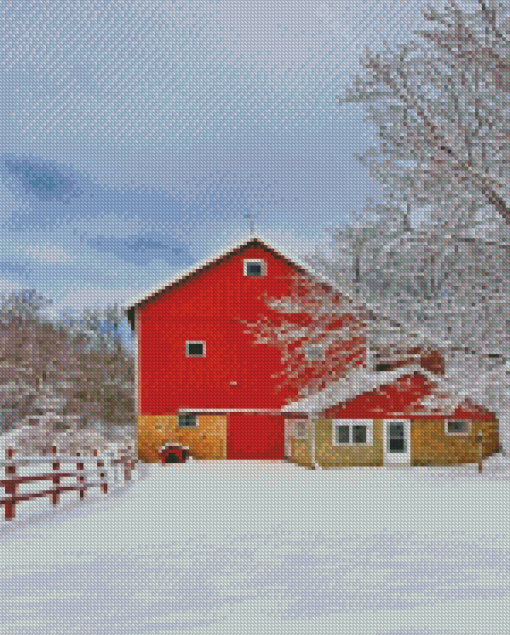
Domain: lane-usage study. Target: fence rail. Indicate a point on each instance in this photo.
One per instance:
(12, 481)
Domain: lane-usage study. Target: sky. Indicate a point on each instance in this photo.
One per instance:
(136, 136)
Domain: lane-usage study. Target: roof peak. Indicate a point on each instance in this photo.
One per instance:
(218, 255)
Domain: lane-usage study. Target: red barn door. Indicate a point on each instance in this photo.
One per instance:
(253, 436)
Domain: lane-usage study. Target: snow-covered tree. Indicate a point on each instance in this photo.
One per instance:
(83, 361)
(318, 332)
(440, 104)
(47, 426)
(452, 295)
(436, 291)
(103, 377)
(28, 347)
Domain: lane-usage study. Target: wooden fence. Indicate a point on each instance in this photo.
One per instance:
(13, 480)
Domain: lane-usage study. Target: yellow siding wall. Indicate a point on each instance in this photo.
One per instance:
(300, 452)
(431, 446)
(207, 441)
(329, 455)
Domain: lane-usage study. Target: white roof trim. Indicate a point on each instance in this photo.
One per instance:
(182, 273)
(348, 388)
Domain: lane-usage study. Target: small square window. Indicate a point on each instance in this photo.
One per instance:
(254, 268)
(342, 434)
(457, 427)
(352, 432)
(195, 349)
(188, 420)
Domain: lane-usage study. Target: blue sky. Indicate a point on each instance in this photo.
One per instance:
(136, 136)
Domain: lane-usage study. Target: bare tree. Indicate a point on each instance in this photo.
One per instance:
(434, 292)
(441, 107)
(81, 362)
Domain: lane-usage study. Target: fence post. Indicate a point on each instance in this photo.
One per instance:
(81, 477)
(102, 473)
(125, 469)
(480, 451)
(130, 463)
(11, 489)
(111, 472)
(55, 496)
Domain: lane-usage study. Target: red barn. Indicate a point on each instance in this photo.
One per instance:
(201, 379)
(203, 382)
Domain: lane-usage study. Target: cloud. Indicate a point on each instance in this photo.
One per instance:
(157, 71)
(47, 253)
(42, 179)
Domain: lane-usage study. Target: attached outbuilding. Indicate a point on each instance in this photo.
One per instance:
(380, 418)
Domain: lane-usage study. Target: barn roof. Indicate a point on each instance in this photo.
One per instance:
(185, 274)
(436, 401)
(347, 388)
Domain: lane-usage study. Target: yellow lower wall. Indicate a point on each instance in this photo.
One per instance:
(207, 441)
(300, 452)
(429, 445)
(330, 455)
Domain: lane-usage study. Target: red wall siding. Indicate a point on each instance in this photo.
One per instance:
(397, 398)
(205, 307)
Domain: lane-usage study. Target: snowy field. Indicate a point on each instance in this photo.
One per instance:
(266, 548)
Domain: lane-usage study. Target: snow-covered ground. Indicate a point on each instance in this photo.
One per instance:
(266, 548)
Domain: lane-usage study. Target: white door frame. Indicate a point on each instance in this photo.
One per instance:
(403, 458)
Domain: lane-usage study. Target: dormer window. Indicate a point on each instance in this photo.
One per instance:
(254, 268)
(195, 349)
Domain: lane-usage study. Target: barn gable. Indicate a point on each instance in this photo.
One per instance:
(216, 260)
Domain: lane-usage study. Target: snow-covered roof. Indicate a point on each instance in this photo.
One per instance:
(347, 388)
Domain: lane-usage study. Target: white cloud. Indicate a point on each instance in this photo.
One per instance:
(47, 253)
(7, 286)
(77, 298)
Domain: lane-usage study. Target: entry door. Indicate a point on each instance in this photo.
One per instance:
(397, 441)
(252, 436)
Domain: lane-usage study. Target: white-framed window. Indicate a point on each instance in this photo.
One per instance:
(300, 428)
(254, 267)
(188, 420)
(457, 427)
(195, 349)
(352, 431)
(313, 352)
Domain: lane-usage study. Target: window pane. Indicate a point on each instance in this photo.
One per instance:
(359, 434)
(254, 269)
(188, 420)
(457, 426)
(195, 349)
(342, 434)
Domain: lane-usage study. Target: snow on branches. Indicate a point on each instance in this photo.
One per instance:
(440, 104)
